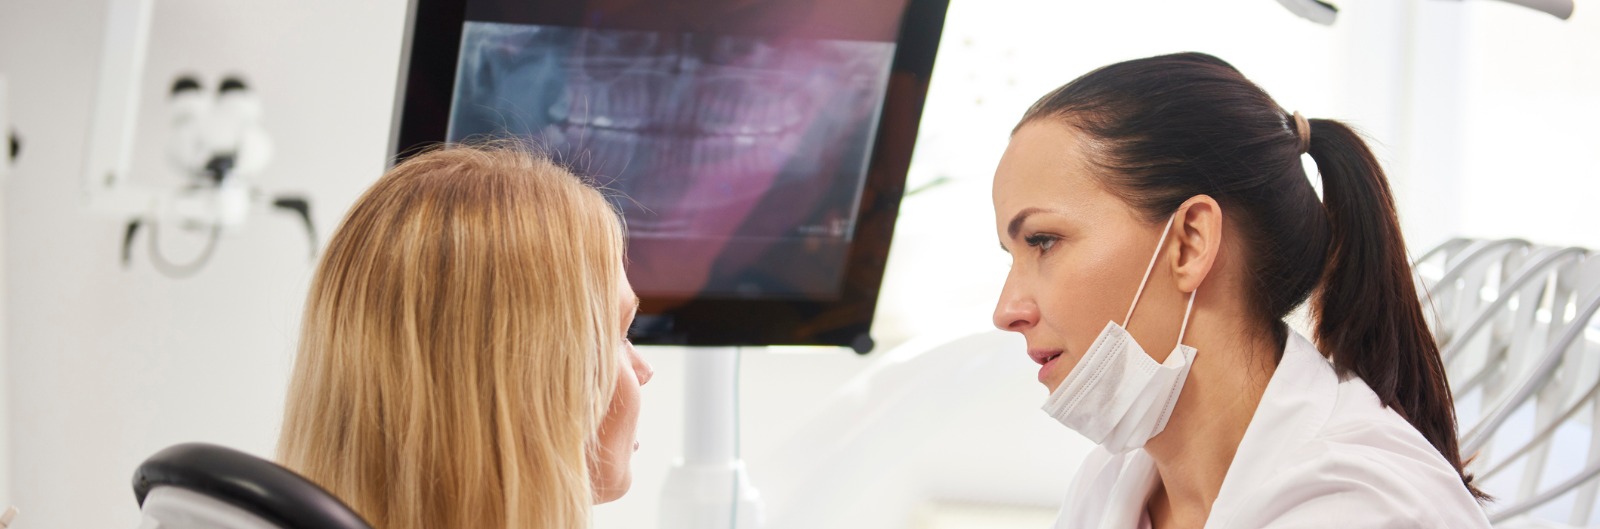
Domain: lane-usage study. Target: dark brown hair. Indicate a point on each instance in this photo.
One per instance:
(1164, 129)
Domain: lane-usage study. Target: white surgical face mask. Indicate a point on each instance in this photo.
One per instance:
(1118, 396)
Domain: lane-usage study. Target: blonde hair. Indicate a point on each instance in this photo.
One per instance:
(460, 344)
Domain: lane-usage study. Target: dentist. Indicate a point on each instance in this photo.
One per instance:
(1161, 227)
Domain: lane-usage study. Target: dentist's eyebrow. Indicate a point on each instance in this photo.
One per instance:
(1016, 221)
(1016, 224)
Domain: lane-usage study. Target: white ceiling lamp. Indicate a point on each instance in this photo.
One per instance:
(1324, 13)
(1313, 10)
(1561, 9)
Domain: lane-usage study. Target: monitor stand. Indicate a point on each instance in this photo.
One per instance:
(708, 488)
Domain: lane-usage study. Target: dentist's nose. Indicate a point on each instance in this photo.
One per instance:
(1015, 311)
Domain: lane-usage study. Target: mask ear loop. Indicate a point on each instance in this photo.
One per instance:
(1186, 310)
(1152, 268)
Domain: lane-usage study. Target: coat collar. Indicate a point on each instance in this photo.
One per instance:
(1296, 405)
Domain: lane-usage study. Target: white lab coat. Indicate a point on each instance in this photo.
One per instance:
(1320, 452)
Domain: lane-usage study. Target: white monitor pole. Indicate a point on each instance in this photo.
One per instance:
(708, 488)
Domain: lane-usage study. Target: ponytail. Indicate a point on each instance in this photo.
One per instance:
(1368, 317)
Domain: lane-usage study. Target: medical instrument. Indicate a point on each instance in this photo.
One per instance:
(218, 146)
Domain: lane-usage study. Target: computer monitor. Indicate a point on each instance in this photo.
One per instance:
(757, 149)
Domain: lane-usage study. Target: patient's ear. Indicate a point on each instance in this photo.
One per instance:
(1197, 239)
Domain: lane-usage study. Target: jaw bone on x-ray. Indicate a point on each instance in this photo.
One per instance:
(739, 160)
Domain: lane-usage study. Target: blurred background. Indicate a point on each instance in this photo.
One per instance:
(1485, 115)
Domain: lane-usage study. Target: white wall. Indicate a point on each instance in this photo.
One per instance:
(5, 416)
(104, 366)
(1530, 147)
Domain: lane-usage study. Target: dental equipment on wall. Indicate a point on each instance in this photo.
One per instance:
(217, 144)
(1324, 13)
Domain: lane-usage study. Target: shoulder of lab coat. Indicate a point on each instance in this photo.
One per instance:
(1319, 452)
(1324, 452)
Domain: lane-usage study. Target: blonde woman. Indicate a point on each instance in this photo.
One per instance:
(463, 359)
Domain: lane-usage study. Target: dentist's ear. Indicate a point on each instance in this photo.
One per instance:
(1197, 240)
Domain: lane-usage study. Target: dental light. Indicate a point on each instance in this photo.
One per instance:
(217, 144)
(1324, 13)
(1313, 10)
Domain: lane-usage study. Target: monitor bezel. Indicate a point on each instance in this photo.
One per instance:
(428, 63)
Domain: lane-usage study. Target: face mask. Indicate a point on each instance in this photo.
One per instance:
(1117, 395)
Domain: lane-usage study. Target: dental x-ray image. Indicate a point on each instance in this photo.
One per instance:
(737, 161)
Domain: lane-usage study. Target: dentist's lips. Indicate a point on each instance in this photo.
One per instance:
(1045, 358)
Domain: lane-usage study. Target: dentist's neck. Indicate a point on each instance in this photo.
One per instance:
(1232, 366)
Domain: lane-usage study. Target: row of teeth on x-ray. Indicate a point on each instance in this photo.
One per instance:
(737, 104)
(667, 50)
(691, 128)
(723, 166)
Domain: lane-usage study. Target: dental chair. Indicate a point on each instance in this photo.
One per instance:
(195, 486)
(1545, 468)
(1454, 276)
(1491, 351)
(1519, 333)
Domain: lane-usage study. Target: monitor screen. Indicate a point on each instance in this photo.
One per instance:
(756, 150)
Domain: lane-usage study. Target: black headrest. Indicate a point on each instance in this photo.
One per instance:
(248, 482)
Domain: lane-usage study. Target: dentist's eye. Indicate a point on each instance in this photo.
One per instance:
(1041, 241)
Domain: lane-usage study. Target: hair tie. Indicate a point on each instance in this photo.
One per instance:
(1302, 130)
